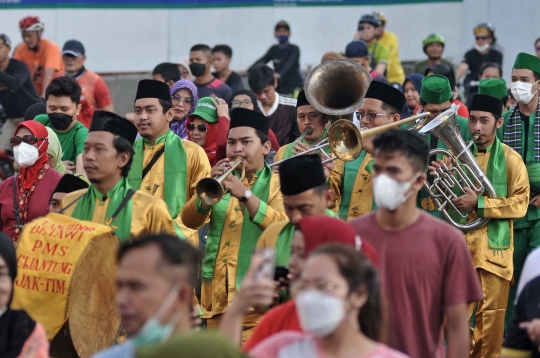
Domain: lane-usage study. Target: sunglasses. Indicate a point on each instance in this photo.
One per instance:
(482, 37)
(200, 127)
(28, 139)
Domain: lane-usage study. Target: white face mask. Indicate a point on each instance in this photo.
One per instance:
(481, 48)
(25, 154)
(522, 91)
(390, 193)
(319, 313)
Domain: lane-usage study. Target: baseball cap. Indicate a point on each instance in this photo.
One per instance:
(5, 40)
(356, 49)
(206, 110)
(73, 47)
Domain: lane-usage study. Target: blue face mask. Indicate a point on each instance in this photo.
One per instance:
(153, 332)
(282, 39)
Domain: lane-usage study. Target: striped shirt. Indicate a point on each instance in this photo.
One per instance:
(282, 117)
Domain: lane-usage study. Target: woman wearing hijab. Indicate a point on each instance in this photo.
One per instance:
(339, 308)
(311, 233)
(185, 71)
(411, 90)
(20, 335)
(448, 72)
(55, 153)
(245, 98)
(208, 126)
(184, 99)
(34, 184)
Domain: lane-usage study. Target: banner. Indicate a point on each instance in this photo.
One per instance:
(6, 4)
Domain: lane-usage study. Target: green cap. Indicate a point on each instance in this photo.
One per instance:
(435, 89)
(432, 39)
(206, 110)
(529, 62)
(494, 87)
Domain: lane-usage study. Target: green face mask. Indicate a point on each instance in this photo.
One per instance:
(153, 331)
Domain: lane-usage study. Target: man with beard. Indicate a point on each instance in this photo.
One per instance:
(110, 200)
(433, 46)
(63, 98)
(200, 64)
(491, 245)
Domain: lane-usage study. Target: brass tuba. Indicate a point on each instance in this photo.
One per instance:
(463, 172)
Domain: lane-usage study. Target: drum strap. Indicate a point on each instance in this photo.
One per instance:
(155, 158)
(116, 212)
(16, 203)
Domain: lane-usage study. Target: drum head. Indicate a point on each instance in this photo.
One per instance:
(94, 320)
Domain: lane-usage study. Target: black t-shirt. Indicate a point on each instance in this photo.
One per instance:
(234, 81)
(286, 61)
(527, 309)
(475, 60)
(17, 92)
(214, 88)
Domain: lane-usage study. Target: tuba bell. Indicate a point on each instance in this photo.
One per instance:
(463, 172)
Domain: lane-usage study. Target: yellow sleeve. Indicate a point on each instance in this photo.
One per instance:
(273, 211)
(268, 238)
(193, 216)
(514, 353)
(199, 166)
(156, 214)
(336, 180)
(515, 205)
(280, 152)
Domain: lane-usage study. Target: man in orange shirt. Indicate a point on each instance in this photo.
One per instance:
(95, 93)
(40, 55)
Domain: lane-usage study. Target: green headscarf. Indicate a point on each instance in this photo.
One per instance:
(55, 151)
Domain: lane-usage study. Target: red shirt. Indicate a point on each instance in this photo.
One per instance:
(462, 110)
(279, 318)
(94, 95)
(425, 268)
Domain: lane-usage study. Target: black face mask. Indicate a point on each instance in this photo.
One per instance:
(197, 69)
(60, 121)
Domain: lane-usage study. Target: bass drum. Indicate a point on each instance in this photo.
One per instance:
(66, 282)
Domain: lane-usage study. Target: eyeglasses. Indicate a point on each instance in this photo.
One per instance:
(370, 115)
(537, 48)
(200, 127)
(482, 37)
(244, 103)
(179, 99)
(28, 139)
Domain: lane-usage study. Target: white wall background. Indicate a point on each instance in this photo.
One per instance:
(123, 40)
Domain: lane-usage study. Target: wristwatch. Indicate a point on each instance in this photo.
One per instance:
(246, 196)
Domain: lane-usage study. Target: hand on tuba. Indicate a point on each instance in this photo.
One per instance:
(467, 201)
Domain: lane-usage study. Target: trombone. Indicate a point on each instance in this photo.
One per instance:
(345, 140)
(210, 190)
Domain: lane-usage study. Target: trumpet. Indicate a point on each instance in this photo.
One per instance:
(417, 125)
(464, 171)
(345, 140)
(210, 190)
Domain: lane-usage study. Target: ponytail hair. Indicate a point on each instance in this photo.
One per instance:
(359, 273)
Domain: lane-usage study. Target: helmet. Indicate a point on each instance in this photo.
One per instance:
(432, 39)
(370, 19)
(381, 17)
(31, 23)
(486, 26)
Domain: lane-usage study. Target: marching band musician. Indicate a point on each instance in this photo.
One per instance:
(436, 97)
(312, 125)
(520, 132)
(305, 194)
(236, 222)
(351, 181)
(164, 165)
(492, 245)
(107, 158)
